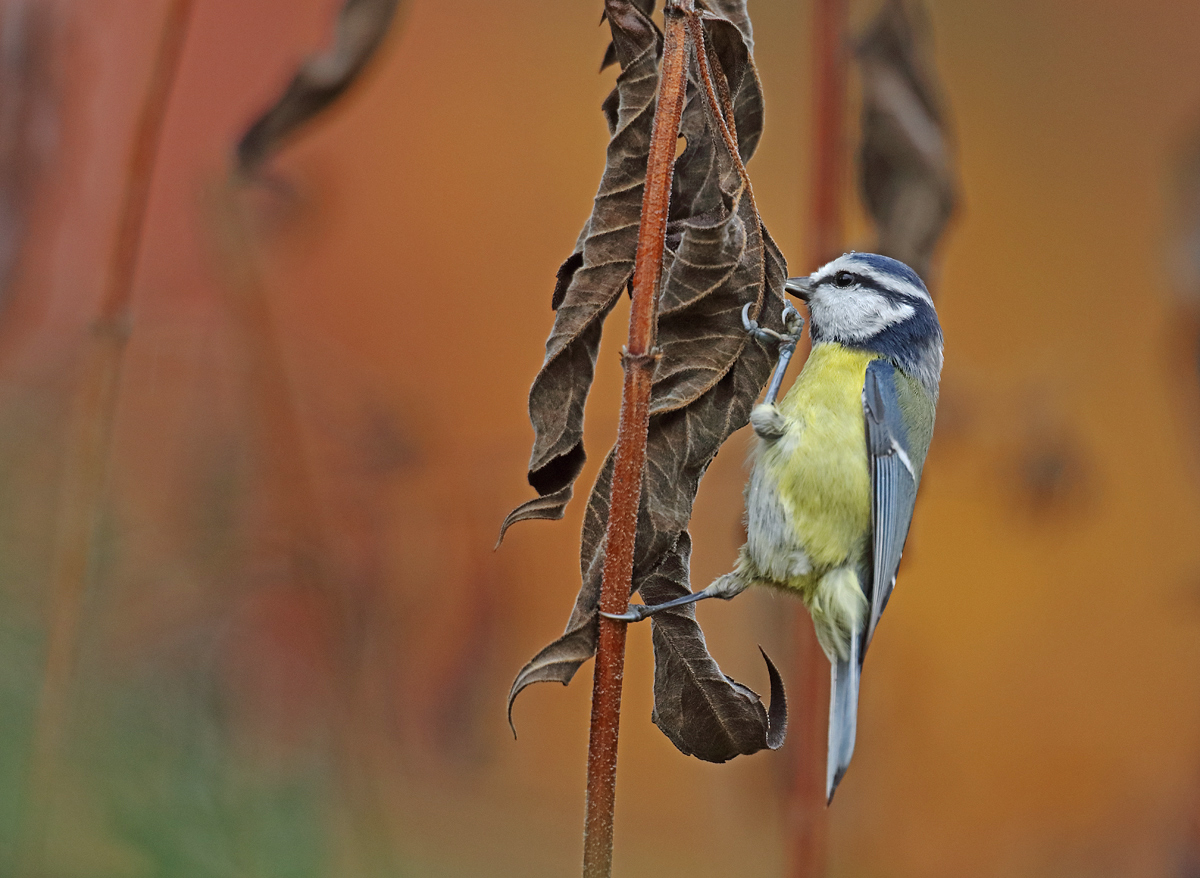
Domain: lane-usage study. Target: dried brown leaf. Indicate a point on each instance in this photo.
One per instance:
(718, 258)
(905, 162)
(321, 80)
(549, 507)
(705, 713)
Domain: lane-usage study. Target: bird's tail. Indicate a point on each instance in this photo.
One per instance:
(843, 715)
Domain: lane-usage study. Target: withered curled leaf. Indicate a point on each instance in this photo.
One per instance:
(321, 80)
(718, 258)
(905, 162)
(685, 676)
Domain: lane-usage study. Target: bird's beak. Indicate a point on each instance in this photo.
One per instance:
(800, 287)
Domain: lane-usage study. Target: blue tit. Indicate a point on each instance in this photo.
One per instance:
(837, 464)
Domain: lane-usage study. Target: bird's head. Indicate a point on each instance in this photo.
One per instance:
(864, 300)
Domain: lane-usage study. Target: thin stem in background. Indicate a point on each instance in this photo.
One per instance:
(806, 816)
(630, 460)
(293, 539)
(86, 468)
(830, 56)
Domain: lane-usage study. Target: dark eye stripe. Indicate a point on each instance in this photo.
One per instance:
(888, 292)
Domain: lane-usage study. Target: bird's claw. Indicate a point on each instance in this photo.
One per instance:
(751, 326)
(791, 320)
(794, 324)
(635, 613)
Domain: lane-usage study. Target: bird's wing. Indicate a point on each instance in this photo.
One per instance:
(893, 487)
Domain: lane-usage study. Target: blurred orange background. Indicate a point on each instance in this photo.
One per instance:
(296, 641)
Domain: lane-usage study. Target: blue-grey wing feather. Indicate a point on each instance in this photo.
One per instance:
(893, 487)
(893, 493)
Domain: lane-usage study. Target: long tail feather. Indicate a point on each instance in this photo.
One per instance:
(843, 716)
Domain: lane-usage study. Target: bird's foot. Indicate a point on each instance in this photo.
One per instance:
(638, 612)
(635, 613)
(793, 323)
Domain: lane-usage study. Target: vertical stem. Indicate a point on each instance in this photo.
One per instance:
(807, 815)
(829, 154)
(293, 539)
(86, 467)
(807, 811)
(638, 362)
(140, 170)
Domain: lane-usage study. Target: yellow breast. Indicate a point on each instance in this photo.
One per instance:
(820, 464)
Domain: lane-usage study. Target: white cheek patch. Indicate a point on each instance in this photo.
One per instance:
(856, 314)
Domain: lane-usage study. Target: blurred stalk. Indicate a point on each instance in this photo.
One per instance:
(295, 535)
(85, 473)
(292, 539)
(830, 34)
(638, 360)
(806, 817)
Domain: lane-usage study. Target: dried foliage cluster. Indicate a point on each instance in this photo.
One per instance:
(718, 258)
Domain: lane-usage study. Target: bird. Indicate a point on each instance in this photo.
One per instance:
(837, 464)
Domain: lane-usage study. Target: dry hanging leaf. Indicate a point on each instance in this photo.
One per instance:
(905, 162)
(1183, 260)
(321, 80)
(1184, 241)
(718, 258)
(29, 123)
(714, 730)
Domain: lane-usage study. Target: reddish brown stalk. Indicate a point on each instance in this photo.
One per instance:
(720, 102)
(85, 471)
(806, 815)
(829, 154)
(638, 362)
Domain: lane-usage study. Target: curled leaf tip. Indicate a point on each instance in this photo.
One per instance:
(550, 507)
(559, 661)
(320, 81)
(777, 716)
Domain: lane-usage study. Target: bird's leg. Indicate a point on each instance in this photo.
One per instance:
(638, 612)
(794, 324)
(725, 587)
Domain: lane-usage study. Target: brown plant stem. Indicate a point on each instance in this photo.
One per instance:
(638, 361)
(291, 539)
(720, 102)
(830, 55)
(807, 814)
(86, 468)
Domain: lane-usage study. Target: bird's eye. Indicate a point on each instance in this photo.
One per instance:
(844, 279)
